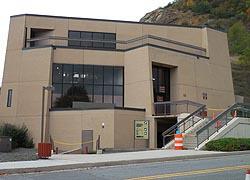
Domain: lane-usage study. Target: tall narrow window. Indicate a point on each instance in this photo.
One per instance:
(9, 98)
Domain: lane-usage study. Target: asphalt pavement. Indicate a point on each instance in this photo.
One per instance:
(75, 161)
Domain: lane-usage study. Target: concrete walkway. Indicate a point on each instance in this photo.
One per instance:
(66, 161)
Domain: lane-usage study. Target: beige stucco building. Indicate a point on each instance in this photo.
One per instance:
(107, 74)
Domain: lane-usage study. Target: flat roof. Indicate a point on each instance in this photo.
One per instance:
(118, 21)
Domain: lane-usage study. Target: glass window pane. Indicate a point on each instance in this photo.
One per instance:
(98, 93)
(67, 89)
(118, 76)
(88, 74)
(77, 74)
(80, 94)
(108, 75)
(110, 37)
(56, 95)
(98, 37)
(57, 73)
(74, 35)
(108, 94)
(155, 80)
(162, 77)
(98, 74)
(118, 96)
(89, 92)
(9, 98)
(64, 101)
(67, 73)
(87, 36)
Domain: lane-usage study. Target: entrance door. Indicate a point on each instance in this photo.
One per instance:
(162, 125)
(161, 78)
(87, 140)
(161, 88)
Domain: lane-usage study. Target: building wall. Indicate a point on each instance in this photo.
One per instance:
(66, 127)
(124, 129)
(191, 77)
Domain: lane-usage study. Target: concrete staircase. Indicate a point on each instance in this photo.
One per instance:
(189, 138)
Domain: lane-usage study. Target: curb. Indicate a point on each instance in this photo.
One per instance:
(115, 163)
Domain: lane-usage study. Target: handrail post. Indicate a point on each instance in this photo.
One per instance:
(165, 109)
(226, 118)
(197, 139)
(207, 133)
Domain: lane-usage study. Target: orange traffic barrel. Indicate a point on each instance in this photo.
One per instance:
(178, 142)
(235, 114)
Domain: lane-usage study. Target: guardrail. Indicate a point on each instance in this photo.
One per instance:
(120, 44)
(237, 109)
(175, 107)
(195, 110)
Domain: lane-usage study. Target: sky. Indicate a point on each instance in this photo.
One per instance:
(128, 10)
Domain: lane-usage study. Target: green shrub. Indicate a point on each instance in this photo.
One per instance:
(229, 144)
(18, 134)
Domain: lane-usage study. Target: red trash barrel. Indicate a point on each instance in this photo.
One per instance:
(247, 174)
(44, 150)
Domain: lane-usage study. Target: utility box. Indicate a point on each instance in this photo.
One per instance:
(5, 144)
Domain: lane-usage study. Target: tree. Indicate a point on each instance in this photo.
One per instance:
(202, 7)
(245, 57)
(74, 93)
(237, 36)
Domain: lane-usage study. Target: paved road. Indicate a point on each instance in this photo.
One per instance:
(222, 168)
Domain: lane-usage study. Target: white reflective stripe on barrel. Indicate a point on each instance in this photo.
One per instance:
(178, 139)
(178, 144)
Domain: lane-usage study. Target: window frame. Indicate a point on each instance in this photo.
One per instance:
(105, 45)
(92, 85)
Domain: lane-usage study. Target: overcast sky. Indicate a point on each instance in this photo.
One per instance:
(128, 10)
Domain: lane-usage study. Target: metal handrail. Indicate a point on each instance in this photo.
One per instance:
(121, 42)
(167, 105)
(175, 127)
(236, 106)
(180, 102)
(200, 108)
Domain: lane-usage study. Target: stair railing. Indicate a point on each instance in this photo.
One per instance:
(237, 109)
(185, 124)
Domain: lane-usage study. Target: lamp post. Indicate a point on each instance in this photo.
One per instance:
(48, 88)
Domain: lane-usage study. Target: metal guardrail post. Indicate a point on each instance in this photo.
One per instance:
(197, 140)
(207, 133)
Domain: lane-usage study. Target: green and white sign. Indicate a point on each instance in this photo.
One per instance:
(141, 129)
